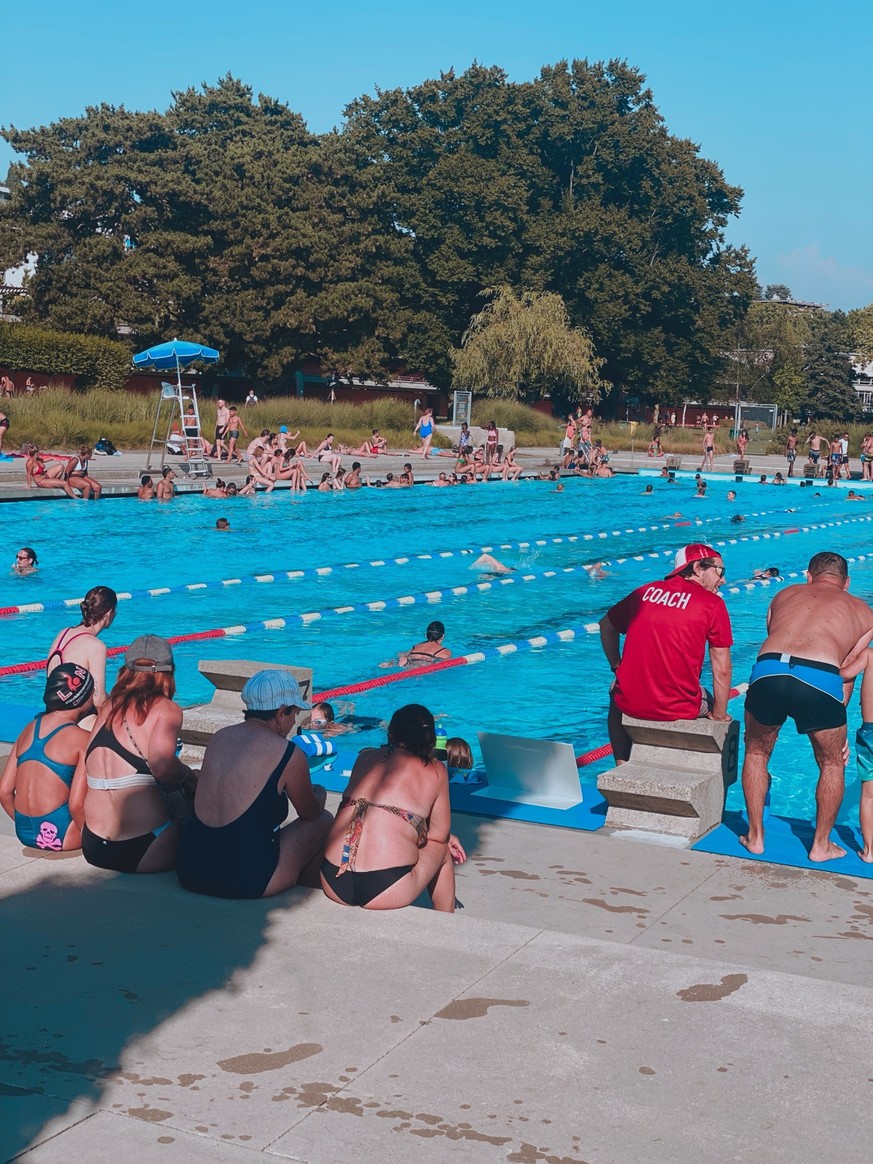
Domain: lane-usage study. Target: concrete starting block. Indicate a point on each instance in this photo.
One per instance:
(228, 676)
(676, 779)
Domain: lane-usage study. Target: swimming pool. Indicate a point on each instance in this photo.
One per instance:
(346, 548)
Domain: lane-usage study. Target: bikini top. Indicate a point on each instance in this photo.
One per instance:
(356, 826)
(141, 776)
(431, 655)
(63, 643)
(36, 751)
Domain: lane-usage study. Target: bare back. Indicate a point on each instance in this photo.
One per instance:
(78, 645)
(819, 621)
(397, 778)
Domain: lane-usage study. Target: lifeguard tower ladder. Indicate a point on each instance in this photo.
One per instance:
(189, 442)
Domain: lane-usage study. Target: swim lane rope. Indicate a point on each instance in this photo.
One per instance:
(432, 596)
(403, 560)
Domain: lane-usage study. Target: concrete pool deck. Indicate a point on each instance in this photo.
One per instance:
(598, 999)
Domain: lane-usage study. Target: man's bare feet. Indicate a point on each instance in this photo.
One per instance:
(866, 854)
(754, 846)
(827, 852)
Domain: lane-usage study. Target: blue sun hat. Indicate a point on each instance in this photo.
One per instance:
(283, 428)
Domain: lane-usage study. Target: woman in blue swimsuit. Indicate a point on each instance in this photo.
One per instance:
(35, 786)
(424, 428)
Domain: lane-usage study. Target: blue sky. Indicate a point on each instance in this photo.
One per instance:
(776, 92)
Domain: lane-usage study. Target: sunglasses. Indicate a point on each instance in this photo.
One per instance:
(712, 566)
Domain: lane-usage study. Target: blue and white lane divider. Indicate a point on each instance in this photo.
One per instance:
(324, 571)
(657, 555)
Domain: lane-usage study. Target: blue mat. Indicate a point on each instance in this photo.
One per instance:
(786, 842)
(589, 815)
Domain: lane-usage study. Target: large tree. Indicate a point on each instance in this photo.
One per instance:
(570, 183)
(224, 219)
(522, 347)
(221, 220)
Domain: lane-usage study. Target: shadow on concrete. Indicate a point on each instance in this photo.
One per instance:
(89, 967)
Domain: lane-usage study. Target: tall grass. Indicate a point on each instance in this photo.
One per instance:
(59, 418)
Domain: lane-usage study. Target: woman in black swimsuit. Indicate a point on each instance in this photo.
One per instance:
(236, 846)
(391, 837)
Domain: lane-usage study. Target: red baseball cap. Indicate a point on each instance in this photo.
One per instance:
(696, 552)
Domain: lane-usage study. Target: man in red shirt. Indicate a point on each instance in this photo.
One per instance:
(668, 627)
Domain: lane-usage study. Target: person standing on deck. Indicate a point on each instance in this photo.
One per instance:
(816, 633)
(791, 451)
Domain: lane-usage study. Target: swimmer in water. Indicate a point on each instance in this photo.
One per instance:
(488, 564)
(25, 561)
(222, 523)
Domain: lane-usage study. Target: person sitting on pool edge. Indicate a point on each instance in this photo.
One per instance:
(237, 845)
(126, 822)
(408, 845)
(35, 786)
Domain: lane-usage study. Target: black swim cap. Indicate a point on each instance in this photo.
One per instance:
(68, 686)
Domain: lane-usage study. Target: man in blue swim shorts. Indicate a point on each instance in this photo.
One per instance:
(817, 633)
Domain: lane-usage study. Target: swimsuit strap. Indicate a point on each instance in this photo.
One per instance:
(63, 643)
(136, 746)
(356, 825)
(36, 751)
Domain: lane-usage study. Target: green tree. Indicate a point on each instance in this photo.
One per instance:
(569, 183)
(860, 324)
(776, 291)
(521, 347)
(221, 220)
(828, 371)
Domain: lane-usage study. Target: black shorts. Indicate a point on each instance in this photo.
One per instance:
(808, 696)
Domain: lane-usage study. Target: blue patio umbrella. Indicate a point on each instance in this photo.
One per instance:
(176, 354)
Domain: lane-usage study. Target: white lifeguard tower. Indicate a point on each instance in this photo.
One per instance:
(178, 410)
(173, 405)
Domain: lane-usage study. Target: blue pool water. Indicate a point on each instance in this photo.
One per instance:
(558, 692)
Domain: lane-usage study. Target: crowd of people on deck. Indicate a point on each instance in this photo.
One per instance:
(100, 772)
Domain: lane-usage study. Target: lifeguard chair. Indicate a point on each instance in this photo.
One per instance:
(172, 406)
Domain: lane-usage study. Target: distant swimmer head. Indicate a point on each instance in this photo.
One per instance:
(435, 631)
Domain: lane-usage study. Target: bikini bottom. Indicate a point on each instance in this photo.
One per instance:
(361, 888)
(122, 856)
